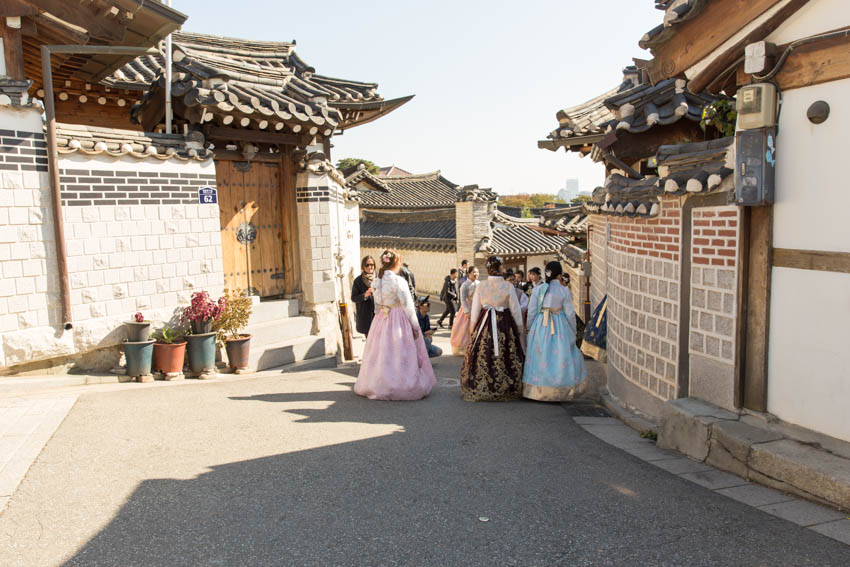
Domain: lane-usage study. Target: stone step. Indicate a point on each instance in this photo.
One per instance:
(271, 332)
(274, 310)
(286, 352)
(318, 363)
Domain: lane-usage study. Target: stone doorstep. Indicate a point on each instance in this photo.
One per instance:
(760, 454)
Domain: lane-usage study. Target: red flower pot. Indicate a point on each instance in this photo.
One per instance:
(168, 357)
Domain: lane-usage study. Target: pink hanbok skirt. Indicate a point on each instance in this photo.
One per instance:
(395, 366)
(460, 334)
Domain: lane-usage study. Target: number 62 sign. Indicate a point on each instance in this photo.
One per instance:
(207, 196)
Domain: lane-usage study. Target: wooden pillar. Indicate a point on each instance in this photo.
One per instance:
(12, 48)
(757, 265)
(291, 256)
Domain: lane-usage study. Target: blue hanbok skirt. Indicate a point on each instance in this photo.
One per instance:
(554, 367)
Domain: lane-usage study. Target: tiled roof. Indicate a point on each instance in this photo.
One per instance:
(570, 220)
(91, 140)
(249, 83)
(683, 169)
(522, 240)
(633, 107)
(428, 230)
(423, 191)
(675, 12)
(391, 171)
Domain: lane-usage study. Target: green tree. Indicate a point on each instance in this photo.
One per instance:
(345, 163)
(581, 199)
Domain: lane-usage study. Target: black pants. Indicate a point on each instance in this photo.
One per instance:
(450, 311)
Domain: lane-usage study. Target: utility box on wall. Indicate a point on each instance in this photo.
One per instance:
(755, 144)
(755, 167)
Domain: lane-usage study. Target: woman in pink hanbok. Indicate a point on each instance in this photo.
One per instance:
(395, 360)
(460, 330)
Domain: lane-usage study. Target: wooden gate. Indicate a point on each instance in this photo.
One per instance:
(252, 227)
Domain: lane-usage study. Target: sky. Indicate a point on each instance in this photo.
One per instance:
(488, 76)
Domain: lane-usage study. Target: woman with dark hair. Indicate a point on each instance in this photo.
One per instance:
(492, 367)
(554, 368)
(460, 331)
(395, 361)
(361, 295)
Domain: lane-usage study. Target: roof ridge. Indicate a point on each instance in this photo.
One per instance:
(415, 176)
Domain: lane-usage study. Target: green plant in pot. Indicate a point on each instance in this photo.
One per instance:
(169, 350)
(138, 330)
(234, 317)
(201, 314)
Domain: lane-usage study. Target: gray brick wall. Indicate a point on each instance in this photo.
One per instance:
(104, 187)
(22, 151)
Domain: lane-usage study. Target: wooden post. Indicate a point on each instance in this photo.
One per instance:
(756, 308)
(13, 49)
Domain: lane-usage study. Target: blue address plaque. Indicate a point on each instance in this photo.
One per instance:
(207, 196)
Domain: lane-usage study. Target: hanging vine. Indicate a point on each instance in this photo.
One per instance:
(720, 115)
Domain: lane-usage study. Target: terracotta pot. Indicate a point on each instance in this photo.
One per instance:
(238, 351)
(168, 358)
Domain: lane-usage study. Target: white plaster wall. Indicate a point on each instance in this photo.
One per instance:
(817, 16)
(809, 362)
(811, 181)
(121, 259)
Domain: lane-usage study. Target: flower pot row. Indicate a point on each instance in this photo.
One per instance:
(209, 323)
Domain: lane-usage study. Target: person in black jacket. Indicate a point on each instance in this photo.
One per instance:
(361, 295)
(407, 274)
(448, 295)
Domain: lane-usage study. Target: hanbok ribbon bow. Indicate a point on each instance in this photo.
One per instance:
(549, 321)
(492, 309)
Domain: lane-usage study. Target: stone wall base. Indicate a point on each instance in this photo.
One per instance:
(99, 360)
(724, 440)
(631, 397)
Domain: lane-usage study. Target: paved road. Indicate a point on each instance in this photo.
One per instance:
(296, 470)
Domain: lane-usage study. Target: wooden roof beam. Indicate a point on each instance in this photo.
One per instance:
(85, 16)
(698, 37)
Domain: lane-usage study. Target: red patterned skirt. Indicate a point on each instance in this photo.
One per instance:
(486, 376)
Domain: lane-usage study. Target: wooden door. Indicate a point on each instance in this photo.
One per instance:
(251, 226)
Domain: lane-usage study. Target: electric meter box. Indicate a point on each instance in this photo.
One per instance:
(756, 106)
(755, 167)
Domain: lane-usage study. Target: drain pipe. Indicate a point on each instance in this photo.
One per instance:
(168, 109)
(53, 155)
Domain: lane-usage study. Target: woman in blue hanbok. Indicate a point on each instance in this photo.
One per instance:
(554, 368)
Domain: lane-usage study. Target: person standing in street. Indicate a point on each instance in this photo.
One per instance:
(554, 368)
(463, 275)
(423, 308)
(361, 295)
(407, 274)
(460, 332)
(448, 295)
(492, 367)
(533, 279)
(395, 360)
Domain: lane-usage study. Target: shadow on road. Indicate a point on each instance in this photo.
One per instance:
(419, 493)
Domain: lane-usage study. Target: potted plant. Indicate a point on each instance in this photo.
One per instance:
(138, 349)
(201, 313)
(138, 329)
(169, 350)
(234, 317)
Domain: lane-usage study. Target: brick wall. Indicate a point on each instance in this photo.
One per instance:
(643, 293)
(108, 187)
(713, 316)
(121, 258)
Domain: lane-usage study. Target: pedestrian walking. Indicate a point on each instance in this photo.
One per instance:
(492, 367)
(462, 275)
(361, 295)
(407, 274)
(395, 360)
(423, 308)
(448, 295)
(554, 368)
(460, 331)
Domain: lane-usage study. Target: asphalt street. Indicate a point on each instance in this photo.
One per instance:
(294, 469)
